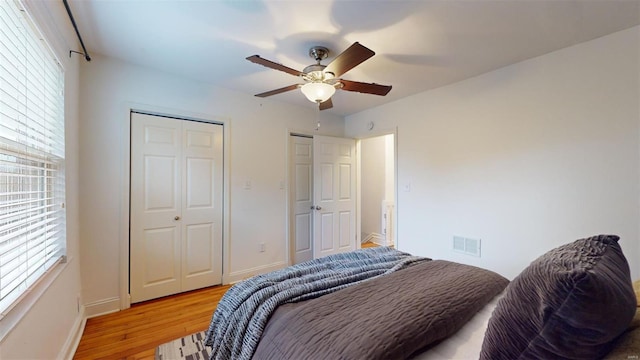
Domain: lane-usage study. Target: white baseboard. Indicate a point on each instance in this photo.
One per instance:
(102, 307)
(236, 276)
(71, 345)
(376, 238)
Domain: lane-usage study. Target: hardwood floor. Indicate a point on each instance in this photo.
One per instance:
(136, 332)
(368, 244)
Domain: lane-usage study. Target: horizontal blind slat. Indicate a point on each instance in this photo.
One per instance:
(24, 228)
(32, 220)
(11, 221)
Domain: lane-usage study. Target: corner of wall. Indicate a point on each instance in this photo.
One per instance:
(73, 340)
(102, 307)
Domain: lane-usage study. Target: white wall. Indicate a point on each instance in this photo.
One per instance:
(527, 157)
(51, 326)
(389, 168)
(373, 169)
(257, 147)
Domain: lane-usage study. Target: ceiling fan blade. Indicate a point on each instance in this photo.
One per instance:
(278, 91)
(349, 59)
(327, 104)
(256, 59)
(366, 88)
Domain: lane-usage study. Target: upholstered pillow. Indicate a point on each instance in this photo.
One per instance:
(570, 303)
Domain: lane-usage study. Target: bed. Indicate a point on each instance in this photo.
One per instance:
(576, 301)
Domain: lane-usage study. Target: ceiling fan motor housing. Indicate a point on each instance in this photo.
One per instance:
(316, 73)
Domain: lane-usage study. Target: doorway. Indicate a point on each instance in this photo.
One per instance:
(377, 183)
(176, 202)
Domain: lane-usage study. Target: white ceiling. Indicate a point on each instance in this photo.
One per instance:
(419, 45)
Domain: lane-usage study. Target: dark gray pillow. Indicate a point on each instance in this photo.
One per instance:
(570, 303)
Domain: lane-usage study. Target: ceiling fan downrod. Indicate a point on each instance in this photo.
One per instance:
(318, 53)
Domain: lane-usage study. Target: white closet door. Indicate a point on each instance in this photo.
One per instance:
(302, 198)
(176, 202)
(334, 172)
(201, 205)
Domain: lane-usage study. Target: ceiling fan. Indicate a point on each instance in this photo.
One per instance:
(321, 81)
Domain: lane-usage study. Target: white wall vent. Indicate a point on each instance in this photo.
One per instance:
(467, 246)
(458, 243)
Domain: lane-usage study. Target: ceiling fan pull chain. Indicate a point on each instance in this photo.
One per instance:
(318, 116)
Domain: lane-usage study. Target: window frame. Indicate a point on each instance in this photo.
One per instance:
(36, 288)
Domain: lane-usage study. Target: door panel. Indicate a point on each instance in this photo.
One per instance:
(326, 182)
(302, 239)
(303, 183)
(202, 210)
(160, 195)
(345, 230)
(326, 231)
(345, 182)
(334, 189)
(302, 196)
(162, 245)
(155, 233)
(198, 249)
(199, 181)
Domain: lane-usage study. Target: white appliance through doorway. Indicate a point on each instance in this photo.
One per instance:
(323, 196)
(176, 205)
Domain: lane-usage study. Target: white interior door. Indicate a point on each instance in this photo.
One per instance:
(334, 174)
(201, 205)
(301, 198)
(176, 206)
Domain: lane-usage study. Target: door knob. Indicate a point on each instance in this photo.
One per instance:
(312, 207)
(318, 208)
(176, 218)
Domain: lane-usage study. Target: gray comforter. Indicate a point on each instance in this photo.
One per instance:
(391, 317)
(241, 315)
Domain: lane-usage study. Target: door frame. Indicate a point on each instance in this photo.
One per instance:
(125, 146)
(376, 133)
(372, 133)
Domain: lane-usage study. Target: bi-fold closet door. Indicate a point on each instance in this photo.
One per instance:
(176, 206)
(323, 196)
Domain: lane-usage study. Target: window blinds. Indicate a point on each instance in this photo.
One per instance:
(32, 189)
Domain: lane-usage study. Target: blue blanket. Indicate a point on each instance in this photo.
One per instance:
(243, 311)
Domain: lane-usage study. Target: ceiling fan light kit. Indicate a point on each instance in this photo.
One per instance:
(318, 92)
(321, 81)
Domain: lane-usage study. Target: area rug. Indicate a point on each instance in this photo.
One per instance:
(190, 347)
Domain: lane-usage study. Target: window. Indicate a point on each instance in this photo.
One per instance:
(32, 189)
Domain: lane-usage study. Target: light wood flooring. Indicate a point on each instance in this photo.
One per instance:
(135, 333)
